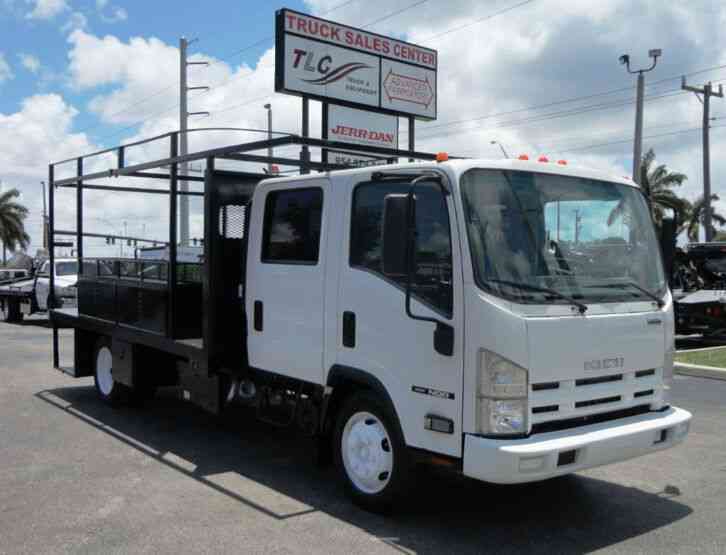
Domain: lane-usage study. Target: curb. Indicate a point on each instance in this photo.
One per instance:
(697, 371)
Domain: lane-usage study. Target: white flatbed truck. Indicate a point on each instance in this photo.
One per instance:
(507, 319)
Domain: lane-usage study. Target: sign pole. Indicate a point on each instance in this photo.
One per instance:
(411, 135)
(324, 133)
(305, 153)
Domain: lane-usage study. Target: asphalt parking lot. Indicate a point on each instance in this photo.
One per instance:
(77, 476)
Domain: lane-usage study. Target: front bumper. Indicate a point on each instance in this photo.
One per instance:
(542, 456)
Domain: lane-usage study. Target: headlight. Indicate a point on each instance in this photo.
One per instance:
(502, 395)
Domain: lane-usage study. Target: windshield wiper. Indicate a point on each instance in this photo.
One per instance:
(527, 287)
(621, 285)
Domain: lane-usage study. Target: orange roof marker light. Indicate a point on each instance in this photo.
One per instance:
(543, 158)
(442, 156)
(523, 157)
(562, 162)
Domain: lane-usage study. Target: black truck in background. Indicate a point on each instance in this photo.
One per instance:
(698, 282)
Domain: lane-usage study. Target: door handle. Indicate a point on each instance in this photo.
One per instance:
(258, 316)
(349, 329)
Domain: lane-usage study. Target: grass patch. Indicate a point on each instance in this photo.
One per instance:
(712, 357)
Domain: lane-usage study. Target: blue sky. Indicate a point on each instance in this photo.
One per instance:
(222, 26)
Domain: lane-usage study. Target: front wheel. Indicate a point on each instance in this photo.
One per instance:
(371, 454)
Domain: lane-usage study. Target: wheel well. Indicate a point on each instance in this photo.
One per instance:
(345, 382)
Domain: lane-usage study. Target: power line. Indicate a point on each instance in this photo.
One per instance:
(549, 116)
(566, 101)
(627, 141)
(485, 18)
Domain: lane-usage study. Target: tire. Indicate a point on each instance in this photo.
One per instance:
(110, 391)
(13, 315)
(370, 453)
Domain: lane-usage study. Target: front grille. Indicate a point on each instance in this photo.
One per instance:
(568, 400)
(545, 385)
(548, 408)
(557, 425)
(600, 379)
(593, 402)
(645, 393)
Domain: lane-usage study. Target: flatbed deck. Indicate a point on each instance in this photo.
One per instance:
(70, 318)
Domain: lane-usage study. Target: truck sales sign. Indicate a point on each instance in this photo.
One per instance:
(327, 61)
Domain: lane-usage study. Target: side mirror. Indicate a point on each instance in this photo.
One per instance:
(396, 209)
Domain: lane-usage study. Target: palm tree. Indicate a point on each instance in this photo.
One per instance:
(693, 218)
(12, 229)
(657, 184)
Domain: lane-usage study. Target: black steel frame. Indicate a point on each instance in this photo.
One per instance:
(238, 152)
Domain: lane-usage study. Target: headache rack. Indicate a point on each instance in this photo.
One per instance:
(171, 305)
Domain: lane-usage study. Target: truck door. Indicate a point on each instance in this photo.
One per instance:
(285, 277)
(376, 335)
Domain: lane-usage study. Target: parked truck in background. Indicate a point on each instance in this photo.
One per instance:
(508, 319)
(24, 297)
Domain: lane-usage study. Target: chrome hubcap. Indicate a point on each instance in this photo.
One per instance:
(367, 452)
(103, 371)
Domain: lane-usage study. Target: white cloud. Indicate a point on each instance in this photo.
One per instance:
(115, 14)
(46, 9)
(76, 21)
(29, 62)
(6, 73)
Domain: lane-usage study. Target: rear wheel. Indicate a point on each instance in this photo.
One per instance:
(12, 313)
(370, 453)
(108, 389)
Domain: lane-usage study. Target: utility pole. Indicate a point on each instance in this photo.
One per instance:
(638, 142)
(183, 140)
(707, 92)
(268, 107)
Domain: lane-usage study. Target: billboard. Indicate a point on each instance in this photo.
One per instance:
(328, 61)
(359, 127)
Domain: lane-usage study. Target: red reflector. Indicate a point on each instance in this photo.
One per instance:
(523, 157)
(543, 159)
(562, 162)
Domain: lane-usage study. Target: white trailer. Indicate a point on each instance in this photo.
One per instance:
(507, 319)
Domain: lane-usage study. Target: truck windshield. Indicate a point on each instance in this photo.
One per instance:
(583, 239)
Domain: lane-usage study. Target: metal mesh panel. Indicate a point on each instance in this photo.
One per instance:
(232, 221)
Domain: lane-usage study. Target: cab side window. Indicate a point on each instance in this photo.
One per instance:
(432, 279)
(291, 232)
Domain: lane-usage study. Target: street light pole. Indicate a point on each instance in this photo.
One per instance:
(268, 107)
(638, 141)
(500, 146)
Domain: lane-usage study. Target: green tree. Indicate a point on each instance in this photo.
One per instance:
(12, 216)
(693, 218)
(657, 184)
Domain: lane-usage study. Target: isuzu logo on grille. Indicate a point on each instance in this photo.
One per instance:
(604, 364)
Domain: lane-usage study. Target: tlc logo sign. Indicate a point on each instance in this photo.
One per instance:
(324, 67)
(309, 61)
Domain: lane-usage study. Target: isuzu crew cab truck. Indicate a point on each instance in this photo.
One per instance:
(509, 319)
